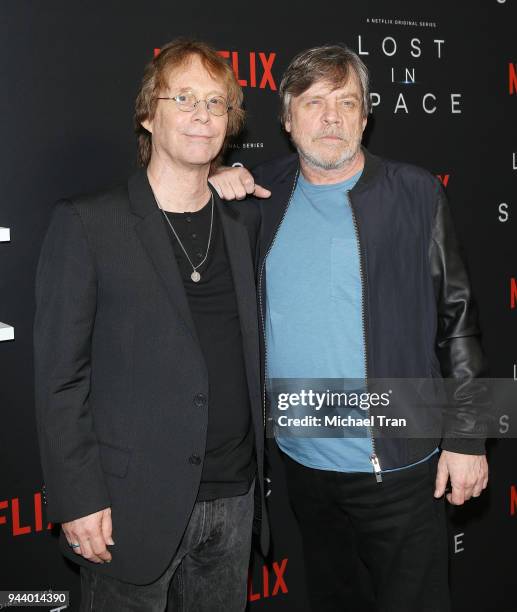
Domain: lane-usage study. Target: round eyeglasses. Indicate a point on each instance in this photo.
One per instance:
(187, 102)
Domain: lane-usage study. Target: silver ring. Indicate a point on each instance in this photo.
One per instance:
(74, 545)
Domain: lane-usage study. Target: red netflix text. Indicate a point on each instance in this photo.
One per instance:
(24, 517)
(251, 69)
(512, 78)
(513, 500)
(271, 583)
(255, 67)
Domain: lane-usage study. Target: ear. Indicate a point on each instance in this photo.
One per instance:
(287, 124)
(147, 124)
(365, 121)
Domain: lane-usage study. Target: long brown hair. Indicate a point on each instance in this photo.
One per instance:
(156, 74)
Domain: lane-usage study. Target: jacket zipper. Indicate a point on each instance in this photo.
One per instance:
(374, 459)
(261, 273)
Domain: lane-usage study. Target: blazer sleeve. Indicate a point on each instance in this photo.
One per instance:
(66, 292)
(458, 345)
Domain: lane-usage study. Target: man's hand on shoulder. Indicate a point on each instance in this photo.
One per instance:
(92, 533)
(236, 183)
(468, 475)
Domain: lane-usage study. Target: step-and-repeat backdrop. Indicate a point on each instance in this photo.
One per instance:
(444, 93)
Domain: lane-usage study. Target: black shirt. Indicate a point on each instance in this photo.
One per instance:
(229, 464)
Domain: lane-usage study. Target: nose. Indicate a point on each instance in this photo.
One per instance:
(201, 111)
(331, 113)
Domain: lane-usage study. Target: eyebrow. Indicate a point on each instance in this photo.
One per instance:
(320, 95)
(214, 92)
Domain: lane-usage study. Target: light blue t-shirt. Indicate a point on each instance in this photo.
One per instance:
(314, 324)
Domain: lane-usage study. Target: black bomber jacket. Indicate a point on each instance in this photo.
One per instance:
(419, 316)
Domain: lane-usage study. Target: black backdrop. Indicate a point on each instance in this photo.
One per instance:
(445, 91)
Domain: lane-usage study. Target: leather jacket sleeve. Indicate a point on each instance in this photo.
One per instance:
(458, 346)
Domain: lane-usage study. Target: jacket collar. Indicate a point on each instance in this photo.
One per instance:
(372, 167)
(141, 196)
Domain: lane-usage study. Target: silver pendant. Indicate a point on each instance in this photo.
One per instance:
(195, 276)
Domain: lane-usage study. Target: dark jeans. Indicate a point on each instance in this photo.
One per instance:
(372, 546)
(207, 574)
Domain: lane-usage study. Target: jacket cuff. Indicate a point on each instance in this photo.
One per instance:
(465, 446)
(86, 495)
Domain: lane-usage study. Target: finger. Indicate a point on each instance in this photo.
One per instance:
(83, 537)
(249, 184)
(73, 538)
(240, 192)
(99, 548)
(67, 535)
(477, 490)
(106, 528)
(215, 184)
(86, 550)
(479, 485)
(485, 477)
(261, 192)
(73, 542)
(237, 183)
(457, 496)
(243, 175)
(228, 191)
(467, 493)
(442, 475)
(219, 184)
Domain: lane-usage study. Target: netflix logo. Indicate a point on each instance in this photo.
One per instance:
(513, 500)
(23, 518)
(271, 583)
(443, 178)
(512, 78)
(251, 68)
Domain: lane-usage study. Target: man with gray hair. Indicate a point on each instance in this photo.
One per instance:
(360, 279)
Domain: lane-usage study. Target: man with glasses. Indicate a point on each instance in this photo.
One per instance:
(147, 361)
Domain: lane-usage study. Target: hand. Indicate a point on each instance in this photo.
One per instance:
(236, 183)
(468, 475)
(92, 533)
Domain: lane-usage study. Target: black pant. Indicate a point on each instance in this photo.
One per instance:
(207, 574)
(372, 546)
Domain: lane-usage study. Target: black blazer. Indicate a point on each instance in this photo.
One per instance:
(121, 383)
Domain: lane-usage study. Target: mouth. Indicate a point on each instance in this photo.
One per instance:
(199, 136)
(330, 137)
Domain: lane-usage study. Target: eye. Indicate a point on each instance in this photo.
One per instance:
(217, 102)
(349, 103)
(184, 99)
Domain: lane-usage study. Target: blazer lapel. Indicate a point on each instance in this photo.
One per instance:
(241, 264)
(152, 232)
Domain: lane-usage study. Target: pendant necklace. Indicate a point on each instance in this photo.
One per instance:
(195, 276)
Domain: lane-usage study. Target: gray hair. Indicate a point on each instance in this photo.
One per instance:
(329, 63)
